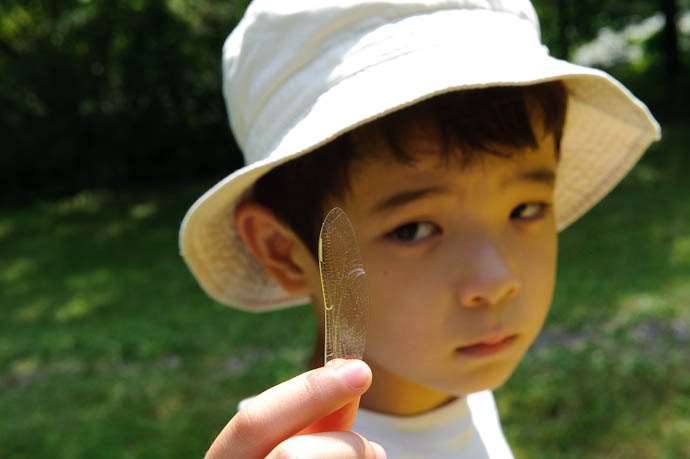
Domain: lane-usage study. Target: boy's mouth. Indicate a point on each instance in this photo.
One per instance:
(489, 346)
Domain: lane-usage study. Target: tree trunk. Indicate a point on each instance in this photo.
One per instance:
(670, 36)
(563, 43)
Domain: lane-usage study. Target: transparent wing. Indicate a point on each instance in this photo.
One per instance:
(345, 290)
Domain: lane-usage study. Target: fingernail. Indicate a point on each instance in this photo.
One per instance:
(355, 374)
(380, 452)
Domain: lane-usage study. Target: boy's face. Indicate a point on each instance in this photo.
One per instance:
(460, 261)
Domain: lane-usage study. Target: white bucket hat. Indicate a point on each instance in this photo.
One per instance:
(299, 73)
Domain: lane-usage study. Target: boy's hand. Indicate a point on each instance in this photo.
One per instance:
(308, 416)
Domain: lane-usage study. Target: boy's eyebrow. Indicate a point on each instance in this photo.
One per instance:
(544, 176)
(406, 197)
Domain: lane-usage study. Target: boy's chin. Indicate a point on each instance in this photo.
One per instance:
(478, 386)
(478, 383)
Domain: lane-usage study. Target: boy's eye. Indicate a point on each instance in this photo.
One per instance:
(414, 231)
(529, 211)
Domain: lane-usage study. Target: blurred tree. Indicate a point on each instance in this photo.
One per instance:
(659, 77)
(103, 93)
(112, 92)
(567, 24)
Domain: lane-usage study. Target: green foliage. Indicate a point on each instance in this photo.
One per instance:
(583, 19)
(120, 93)
(112, 93)
(573, 23)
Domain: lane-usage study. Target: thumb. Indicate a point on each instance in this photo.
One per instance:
(340, 419)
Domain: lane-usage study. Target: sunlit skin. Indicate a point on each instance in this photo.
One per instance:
(455, 256)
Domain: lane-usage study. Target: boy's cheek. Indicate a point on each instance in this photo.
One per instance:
(540, 286)
(396, 328)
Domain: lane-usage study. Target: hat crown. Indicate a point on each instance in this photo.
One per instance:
(265, 88)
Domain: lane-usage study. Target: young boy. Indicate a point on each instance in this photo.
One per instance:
(458, 148)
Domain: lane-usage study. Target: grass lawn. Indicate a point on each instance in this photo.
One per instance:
(108, 348)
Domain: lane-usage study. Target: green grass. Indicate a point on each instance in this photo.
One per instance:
(108, 348)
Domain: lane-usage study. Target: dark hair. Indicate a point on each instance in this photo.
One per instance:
(478, 121)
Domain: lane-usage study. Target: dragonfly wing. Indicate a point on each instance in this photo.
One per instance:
(345, 289)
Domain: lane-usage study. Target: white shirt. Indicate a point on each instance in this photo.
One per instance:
(468, 427)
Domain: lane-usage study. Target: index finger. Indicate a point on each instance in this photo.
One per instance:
(285, 409)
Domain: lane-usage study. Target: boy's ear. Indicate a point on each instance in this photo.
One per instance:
(277, 248)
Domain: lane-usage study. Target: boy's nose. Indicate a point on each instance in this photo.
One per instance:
(488, 280)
